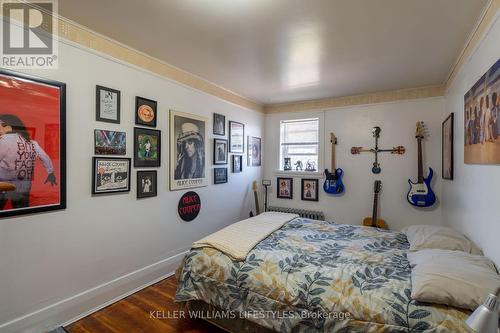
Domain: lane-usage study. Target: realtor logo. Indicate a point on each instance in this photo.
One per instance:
(28, 34)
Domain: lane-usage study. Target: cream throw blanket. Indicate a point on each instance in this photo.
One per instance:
(240, 238)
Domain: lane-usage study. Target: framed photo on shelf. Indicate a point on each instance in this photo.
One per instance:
(254, 151)
(219, 124)
(188, 139)
(107, 105)
(145, 112)
(33, 144)
(220, 175)
(110, 175)
(147, 147)
(236, 137)
(447, 148)
(109, 142)
(147, 184)
(237, 163)
(309, 190)
(220, 151)
(285, 188)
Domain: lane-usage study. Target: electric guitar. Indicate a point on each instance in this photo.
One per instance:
(256, 198)
(333, 182)
(374, 221)
(420, 193)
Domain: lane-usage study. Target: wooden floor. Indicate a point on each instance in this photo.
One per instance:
(133, 314)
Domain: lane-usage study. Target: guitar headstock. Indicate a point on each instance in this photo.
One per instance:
(333, 138)
(254, 186)
(377, 186)
(420, 131)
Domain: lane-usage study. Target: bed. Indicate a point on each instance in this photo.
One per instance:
(314, 276)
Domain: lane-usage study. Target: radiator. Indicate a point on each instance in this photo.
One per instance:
(309, 214)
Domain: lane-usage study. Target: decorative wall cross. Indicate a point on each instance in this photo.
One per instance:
(400, 150)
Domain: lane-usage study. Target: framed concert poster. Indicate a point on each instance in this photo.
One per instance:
(236, 137)
(254, 151)
(147, 147)
(447, 148)
(220, 175)
(237, 163)
(32, 144)
(110, 175)
(188, 138)
(219, 124)
(285, 188)
(109, 142)
(220, 151)
(146, 184)
(145, 112)
(107, 105)
(309, 190)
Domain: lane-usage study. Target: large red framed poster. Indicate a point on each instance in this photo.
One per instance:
(32, 144)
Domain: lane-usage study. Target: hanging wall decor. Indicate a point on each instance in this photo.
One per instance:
(220, 151)
(147, 184)
(237, 163)
(145, 112)
(254, 151)
(109, 142)
(236, 137)
(147, 147)
(32, 145)
(309, 190)
(107, 105)
(447, 148)
(219, 124)
(110, 175)
(220, 175)
(284, 188)
(189, 206)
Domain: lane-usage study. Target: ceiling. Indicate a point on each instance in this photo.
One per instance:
(275, 51)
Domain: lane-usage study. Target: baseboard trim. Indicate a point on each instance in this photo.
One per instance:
(89, 301)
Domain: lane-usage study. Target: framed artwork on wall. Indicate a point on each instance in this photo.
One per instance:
(237, 163)
(147, 147)
(145, 112)
(219, 124)
(220, 175)
(109, 142)
(236, 137)
(32, 145)
(254, 151)
(482, 119)
(284, 188)
(146, 184)
(447, 148)
(309, 190)
(220, 151)
(188, 134)
(107, 105)
(110, 175)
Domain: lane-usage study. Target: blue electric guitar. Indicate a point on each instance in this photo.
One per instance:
(420, 193)
(333, 182)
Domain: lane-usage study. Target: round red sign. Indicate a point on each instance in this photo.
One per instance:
(189, 206)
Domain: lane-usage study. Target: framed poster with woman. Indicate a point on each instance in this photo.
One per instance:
(32, 144)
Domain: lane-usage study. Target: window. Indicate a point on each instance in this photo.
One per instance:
(299, 140)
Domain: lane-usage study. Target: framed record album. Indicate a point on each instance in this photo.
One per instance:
(145, 112)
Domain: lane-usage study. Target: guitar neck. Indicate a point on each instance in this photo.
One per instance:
(256, 198)
(374, 213)
(420, 162)
(334, 167)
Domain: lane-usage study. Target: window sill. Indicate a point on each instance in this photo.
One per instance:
(294, 173)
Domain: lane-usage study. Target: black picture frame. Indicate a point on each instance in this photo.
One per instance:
(254, 151)
(142, 184)
(220, 175)
(61, 180)
(447, 133)
(288, 194)
(95, 172)
(217, 129)
(110, 149)
(98, 110)
(233, 140)
(216, 156)
(237, 163)
(140, 158)
(306, 194)
(141, 107)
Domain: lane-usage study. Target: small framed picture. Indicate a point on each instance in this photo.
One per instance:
(236, 137)
(219, 125)
(109, 142)
(447, 148)
(309, 190)
(146, 184)
(254, 151)
(237, 163)
(220, 151)
(147, 147)
(110, 175)
(145, 112)
(220, 175)
(107, 104)
(285, 188)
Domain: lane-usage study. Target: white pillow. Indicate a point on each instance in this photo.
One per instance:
(454, 278)
(436, 237)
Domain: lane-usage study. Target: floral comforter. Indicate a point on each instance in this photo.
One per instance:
(315, 276)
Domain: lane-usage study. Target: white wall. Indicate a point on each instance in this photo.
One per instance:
(352, 126)
(471, 202)
(55, 266)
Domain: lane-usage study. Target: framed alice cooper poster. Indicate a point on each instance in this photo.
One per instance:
(32, 144)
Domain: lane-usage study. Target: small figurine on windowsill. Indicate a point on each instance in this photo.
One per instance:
(298, 166)
(310, 166)
(288, 164)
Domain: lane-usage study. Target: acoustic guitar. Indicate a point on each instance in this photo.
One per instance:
(333, 182)
(256, 199)
(374, 221)
(420, 193)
